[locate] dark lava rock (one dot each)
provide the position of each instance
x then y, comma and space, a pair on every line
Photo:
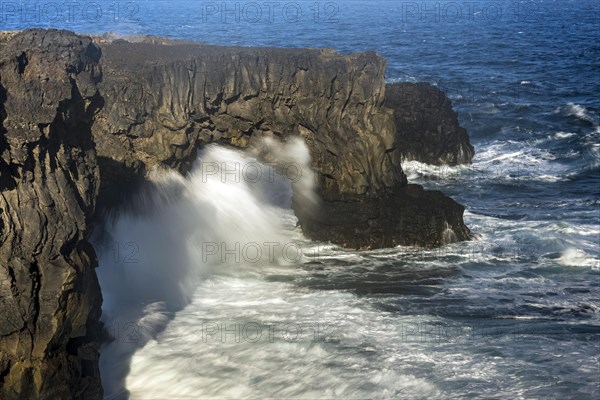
49, 295
427, 128
407, 216
76, 113
162, 101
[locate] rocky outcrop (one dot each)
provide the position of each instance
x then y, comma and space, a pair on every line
49, 295
161, 101
427, 128
81, 122
420, 218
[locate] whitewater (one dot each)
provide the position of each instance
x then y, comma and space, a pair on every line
194, 315
514, 313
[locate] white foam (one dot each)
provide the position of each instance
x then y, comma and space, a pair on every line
402, 79
416, 170
563, 135
215, 221
287, 362
578, 111
510, 160
572, 257
497, 161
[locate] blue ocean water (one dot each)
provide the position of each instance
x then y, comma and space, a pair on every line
514, 313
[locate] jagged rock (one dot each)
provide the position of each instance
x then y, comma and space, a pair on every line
50, 298
139, 105
420, 218
164, 100
427, 127
161, 101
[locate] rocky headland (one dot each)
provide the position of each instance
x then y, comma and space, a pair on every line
427, 128
83, 120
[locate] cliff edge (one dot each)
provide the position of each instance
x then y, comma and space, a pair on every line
163, 101
49, 294
83, 121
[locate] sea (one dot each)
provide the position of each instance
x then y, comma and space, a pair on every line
212, 292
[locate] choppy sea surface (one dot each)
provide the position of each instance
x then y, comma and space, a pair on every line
514, 313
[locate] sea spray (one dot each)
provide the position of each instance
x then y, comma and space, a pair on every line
225, 217
292, 161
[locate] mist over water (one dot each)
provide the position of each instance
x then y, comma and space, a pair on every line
228, 217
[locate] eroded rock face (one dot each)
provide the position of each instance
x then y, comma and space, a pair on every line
427, 127
161, 101
49, 295
420, 218
72, 112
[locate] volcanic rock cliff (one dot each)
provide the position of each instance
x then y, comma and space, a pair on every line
83, 121
162, 101
49, 294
